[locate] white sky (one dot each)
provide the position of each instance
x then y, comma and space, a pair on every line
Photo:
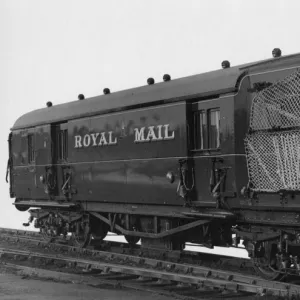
52, 50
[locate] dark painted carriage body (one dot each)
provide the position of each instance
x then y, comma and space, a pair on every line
125, 172
126, 176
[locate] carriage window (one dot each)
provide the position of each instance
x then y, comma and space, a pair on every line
200, 138
207, 129
213, 128
30, 142
62, 144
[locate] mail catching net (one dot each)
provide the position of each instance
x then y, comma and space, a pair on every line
273, 144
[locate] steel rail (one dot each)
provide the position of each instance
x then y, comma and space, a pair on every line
28, 233
185, 268
97, 280
181, 273
104, 253
19, 232
118, 250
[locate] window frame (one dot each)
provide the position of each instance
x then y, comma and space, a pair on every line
198, 124
206, 140
62, 145
31, 148
209, 126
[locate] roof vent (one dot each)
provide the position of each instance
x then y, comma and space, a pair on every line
150, 81
80, 97
276, 52
106, 91
225, 64
49, 104
166, 77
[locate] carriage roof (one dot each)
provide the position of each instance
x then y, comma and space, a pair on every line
191, 87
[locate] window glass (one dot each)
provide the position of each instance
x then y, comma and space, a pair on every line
214, 128
30, 148
207, 129
65, 144
62, 144
200, 125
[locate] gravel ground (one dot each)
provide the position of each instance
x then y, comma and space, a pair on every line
14, 287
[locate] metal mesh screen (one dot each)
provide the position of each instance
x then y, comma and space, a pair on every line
277, 106
274, 160
273, 154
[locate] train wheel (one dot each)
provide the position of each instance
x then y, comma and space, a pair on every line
99, 231
82, 236
267, 266
132, 240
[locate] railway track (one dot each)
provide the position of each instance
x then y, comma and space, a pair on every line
115, 248
17, 234
162, 272
137, 270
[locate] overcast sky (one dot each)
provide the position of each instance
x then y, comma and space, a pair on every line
54, 50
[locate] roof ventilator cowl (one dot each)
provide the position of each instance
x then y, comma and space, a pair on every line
106, 91
81, 97
49, 104
166, 77
225, 64
150, 81
276, 52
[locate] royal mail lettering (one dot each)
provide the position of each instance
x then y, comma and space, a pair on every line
153, 133
141, 135
95, 139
